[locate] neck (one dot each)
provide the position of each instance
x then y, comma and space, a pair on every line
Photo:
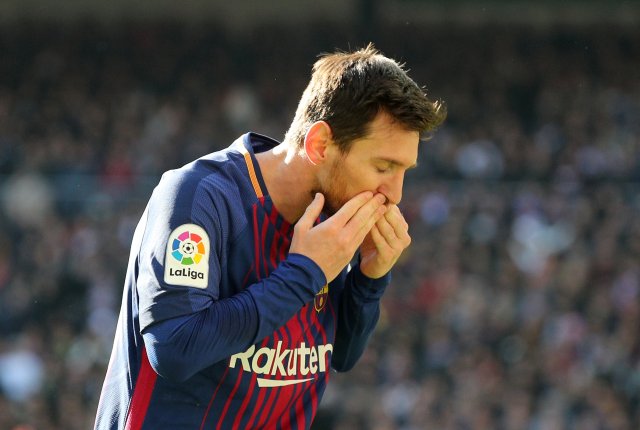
287, 175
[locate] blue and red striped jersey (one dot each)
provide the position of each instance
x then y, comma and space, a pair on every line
220, 326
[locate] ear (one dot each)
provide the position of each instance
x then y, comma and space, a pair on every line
316, 142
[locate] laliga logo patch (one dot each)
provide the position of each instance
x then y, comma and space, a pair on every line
186, 261
188, 248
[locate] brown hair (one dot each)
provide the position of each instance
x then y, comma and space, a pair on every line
347, 90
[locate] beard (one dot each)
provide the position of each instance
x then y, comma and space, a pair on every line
334, 189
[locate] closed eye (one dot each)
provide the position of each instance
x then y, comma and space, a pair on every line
385, 165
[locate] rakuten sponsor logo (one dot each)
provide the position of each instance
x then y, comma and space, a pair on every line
302, 361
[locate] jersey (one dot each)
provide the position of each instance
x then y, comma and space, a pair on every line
220, 326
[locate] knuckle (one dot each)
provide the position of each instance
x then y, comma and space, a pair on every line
343, 243
333, 230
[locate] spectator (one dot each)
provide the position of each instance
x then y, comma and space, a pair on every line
518, 303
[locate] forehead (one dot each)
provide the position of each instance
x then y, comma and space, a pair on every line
387, 139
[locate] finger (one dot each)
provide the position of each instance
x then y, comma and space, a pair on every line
386, 229
379, 241
362, 218
395, 219
365, 219
312, 212
349, 209
386, 252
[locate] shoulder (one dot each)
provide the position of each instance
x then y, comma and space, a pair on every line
213, 191
214, 177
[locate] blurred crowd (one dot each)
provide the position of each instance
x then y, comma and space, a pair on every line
517, 306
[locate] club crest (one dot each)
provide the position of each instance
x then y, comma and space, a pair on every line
321, 298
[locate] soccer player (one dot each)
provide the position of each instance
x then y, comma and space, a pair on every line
256, 269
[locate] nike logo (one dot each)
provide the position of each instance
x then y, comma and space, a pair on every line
267, 383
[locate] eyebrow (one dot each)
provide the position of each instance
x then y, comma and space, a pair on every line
397, 163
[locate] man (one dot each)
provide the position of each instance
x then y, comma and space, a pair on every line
240, 293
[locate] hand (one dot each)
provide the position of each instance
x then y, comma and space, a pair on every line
384, 244
332, 243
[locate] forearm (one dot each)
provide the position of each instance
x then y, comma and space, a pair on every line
358, 314
180, 347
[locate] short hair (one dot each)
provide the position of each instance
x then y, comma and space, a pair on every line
348, 89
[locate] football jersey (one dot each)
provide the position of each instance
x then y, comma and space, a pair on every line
220, 326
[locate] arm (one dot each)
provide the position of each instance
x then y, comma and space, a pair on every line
187, 324
182, 346
358, 314
188, 329
359, 307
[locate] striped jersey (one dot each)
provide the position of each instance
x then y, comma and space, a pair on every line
220, 326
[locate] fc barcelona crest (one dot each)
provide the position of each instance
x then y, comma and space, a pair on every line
321, 298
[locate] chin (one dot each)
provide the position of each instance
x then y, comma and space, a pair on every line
329, 209
330, 205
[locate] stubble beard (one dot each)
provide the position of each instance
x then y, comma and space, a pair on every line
334, 190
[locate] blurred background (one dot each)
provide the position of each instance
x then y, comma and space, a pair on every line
518, 304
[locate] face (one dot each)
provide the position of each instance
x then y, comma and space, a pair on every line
377, 162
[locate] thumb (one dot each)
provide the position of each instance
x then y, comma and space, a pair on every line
312, 212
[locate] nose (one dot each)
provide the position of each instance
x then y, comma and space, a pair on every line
393, 189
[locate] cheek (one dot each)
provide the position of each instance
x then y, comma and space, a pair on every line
349, 179
349, 183
363, 181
